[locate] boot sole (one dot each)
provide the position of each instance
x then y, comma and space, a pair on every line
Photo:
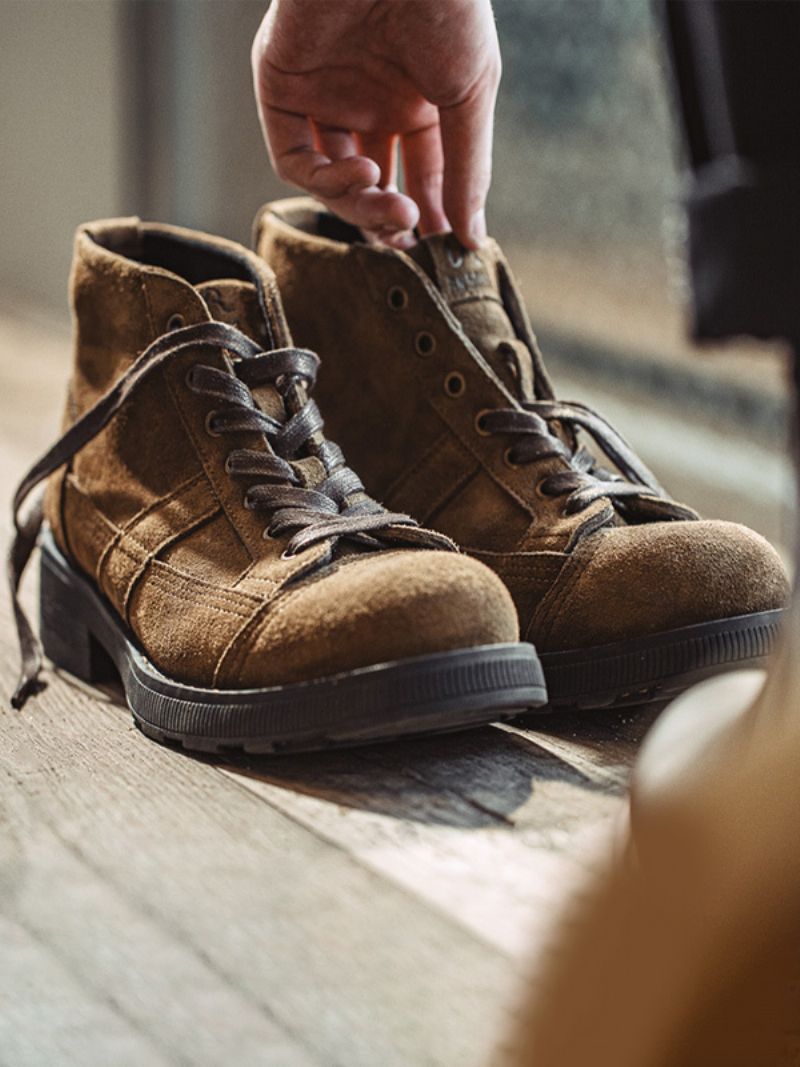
660, 666
82, 634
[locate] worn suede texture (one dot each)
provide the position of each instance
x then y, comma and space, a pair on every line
148, 511
418, 345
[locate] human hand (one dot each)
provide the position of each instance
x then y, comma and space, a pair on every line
339, 83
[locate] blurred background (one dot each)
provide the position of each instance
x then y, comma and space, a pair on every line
112, 107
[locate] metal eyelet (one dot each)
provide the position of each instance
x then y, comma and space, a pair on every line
227, 464
286, 554
175, 322
480, 427
454, 384
209, 428
508, 459
397, 298
456, 258
247, 503
189, 378
265, 534
424, 343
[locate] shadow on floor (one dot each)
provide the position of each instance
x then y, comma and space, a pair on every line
469, 779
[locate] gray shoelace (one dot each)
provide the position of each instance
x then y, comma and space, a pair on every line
531, 429
310, 516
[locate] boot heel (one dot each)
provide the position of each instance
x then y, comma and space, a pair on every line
66, 639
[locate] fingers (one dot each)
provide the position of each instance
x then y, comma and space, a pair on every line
423, 166
347, 185
296, 159
325, 161
467, 147
381, 148
334, 142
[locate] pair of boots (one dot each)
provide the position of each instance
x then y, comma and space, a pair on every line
206, 539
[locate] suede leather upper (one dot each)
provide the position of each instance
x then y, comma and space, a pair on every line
148, 510
423, 344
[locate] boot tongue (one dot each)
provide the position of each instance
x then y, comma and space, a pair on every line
469, 283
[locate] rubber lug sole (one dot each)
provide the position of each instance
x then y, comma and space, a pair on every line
82, 634
660, 666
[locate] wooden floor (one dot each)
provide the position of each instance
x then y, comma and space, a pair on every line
372, 908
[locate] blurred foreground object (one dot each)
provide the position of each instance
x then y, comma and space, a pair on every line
687, 951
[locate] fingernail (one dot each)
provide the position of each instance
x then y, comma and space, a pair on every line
477, 227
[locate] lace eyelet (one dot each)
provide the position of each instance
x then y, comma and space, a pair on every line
175, 322
397, 298
227, 464
508, 459
286, 554
189, 378
265, 534
540, 492
424, 343
456, 257
480, 427
209, 428
247, 503
454, 384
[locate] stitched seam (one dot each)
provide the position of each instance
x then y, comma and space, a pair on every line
520, 576
187, 594
95, 517
553, 607
150, 554
449, 494
409, 473
230, 595
158, 504
201, 588
518, 558
525, 505
475, 298
231, 648
271, 611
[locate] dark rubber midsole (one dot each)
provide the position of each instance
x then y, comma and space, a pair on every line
660, 663
466, 686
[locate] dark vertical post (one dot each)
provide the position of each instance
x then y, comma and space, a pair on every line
737, 75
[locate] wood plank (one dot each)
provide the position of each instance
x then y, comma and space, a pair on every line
348, 964
486, 826
48, 1017
168, 1003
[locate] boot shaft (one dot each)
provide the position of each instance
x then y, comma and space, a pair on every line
125, 293
422, 345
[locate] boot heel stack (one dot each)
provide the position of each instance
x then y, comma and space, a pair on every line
66, 639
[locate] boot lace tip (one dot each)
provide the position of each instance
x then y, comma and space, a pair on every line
27, 687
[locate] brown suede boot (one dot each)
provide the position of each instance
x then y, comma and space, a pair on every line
206, 537
627, 596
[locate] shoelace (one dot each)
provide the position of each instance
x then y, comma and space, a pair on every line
310, 515
585, 481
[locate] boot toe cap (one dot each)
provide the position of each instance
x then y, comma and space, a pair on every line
376, 609
632, 581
